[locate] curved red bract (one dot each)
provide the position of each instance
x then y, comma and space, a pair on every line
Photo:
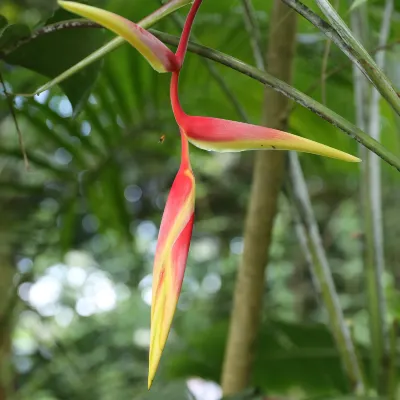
160, 57
171, 255
223, 135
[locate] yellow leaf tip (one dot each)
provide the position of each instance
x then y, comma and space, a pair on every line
67, 5
353, 159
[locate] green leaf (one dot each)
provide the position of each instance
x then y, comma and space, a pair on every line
11, 34
69, 220
288, 355
107, 188
356, 4
52, 53
3, 23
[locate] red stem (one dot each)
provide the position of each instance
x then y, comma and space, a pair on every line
180, 116
180, 57
176, 105
185, 160
183, 43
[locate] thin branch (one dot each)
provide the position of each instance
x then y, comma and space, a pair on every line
347, 64
254, 32
375, 195
340, 34
324, 66
393, 371
14, 117
369, 67
359, 21
58, 26
325, 59
323, 275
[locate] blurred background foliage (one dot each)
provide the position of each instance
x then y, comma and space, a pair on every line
78, 230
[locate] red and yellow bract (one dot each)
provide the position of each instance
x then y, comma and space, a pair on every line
223, 135
171, 255
204, 132
160, 57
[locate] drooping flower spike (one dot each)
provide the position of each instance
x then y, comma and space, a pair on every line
160, 57
217, 135
171, 255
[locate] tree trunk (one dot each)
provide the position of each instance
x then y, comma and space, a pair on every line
268, 175
6, 285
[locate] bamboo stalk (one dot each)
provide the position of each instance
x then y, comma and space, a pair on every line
368, 114
341, 35
324, 278
268, 175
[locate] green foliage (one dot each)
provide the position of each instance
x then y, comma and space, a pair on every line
53, 53
289, 356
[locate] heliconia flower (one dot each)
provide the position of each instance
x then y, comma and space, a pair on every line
222, 135
207, 133
171, 255
176, 227
161, 58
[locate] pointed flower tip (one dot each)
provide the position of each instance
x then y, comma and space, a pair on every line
170, 258
149, 381
160, 57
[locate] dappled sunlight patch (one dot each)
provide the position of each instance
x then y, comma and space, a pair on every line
204, 390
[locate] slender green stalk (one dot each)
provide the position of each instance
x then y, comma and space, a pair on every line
393, 370
324, 27
371, 198
341, 35
361, 101
14, 117
371, 69
378, 308
323, 276
254, 32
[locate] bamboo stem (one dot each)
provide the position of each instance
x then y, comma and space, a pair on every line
341, 35
268, 175
324, 278
368, 114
